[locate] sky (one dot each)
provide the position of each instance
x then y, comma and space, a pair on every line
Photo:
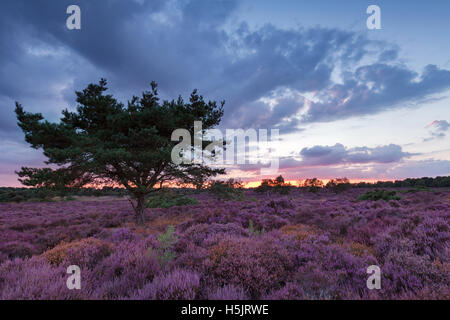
347, 101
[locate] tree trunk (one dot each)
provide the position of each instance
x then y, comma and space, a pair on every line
139, 209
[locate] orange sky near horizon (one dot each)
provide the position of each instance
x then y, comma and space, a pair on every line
254, 184
247, 184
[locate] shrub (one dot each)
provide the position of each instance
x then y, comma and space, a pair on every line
125, 270
279, 205
329, 271
291, 291
407, 273
17, 249
338, 185
177, 285
123, 234
85, 252
252, 230
168, 199
199, 233
25, 194
418, 189
33, 279
314, 247
379, 195
313, 185
164, 251
227, 190
256, 264
361, 250
298, 231
274, 185
228, 292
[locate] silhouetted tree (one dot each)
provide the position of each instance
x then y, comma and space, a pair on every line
313, 184
277, 185
230, 189
338, 184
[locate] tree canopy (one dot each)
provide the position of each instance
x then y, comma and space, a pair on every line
277, 185
104, 141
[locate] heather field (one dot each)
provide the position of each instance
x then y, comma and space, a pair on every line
268, 246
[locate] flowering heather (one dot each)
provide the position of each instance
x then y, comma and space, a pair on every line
298, 246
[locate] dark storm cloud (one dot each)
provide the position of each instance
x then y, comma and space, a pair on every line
185, 44
261, 114
375, 88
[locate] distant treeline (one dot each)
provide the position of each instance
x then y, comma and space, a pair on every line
9, 194
438, 182
342, 184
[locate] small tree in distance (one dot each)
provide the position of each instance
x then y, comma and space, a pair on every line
338, 185
104, 141
277, 185
313, 184
230, 189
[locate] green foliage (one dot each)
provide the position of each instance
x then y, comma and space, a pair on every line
167, 199
164, 252
253, 230
198, 176
437, 182
227, 190
274, 185
25, 194
57, 182
8, 194
129, 145
11, 195
418, 189
379, 195
338, 185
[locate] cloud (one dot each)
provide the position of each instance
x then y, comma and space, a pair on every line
339, 154
374, 171
440, 125
200, 44
375, 88
438, 129
338, 158
291, 169
270, 77
418, 169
